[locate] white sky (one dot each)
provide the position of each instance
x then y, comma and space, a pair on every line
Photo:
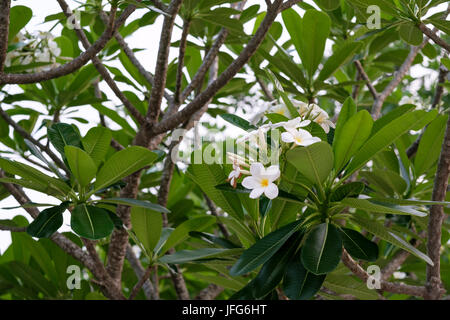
147, 38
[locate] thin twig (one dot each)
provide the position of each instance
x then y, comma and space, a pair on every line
28, 136
364, 75
4, 30
433, 36
434, 284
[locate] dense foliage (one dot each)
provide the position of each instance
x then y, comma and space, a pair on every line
325, 175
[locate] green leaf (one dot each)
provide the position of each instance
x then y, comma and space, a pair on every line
207, 177
358, 246
386, 208
385, 181
35, 176
340, 57
299, 283
135, 203
315, 28
81, 165
96, 143
238, 121
322, 249
273, 270
147, 225
347, 111
388, 235
19, 16
387, 135
91, 222
121, 164
409, 32
443, 25
329, 5
351, 189
47, 222
181, 233
63, 134
184, 256
263, 249
354, 133
430, 145
314, 162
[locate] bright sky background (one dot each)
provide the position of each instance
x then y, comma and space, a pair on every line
147, 38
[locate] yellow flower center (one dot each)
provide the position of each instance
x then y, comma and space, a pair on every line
298, 139
280, 111
264, 183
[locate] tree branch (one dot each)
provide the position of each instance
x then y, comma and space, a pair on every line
13, 228
183, 42
154, 104
288, 4
5, 6
434, 284
364, 75
433, 36
173, 120
399, 75
28, 136
209, 293
130, 54
149, 289
77, 63
357, 270
101, 68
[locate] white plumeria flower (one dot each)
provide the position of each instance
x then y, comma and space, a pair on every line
255, 134
292, 124
234, 175
300, 137
303, 108
237, 159
53, 47
280, 109
322, 118
261, 181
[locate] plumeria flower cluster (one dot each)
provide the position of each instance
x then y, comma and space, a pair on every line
263, 180
30, 48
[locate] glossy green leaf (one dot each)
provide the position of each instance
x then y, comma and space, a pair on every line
47, 222
410, 33
299, 283
314, 162
351, 189
63, 134
340, 57
96, 143
181, 233
81, 165
121, 164
322, 249
430, 145
263, 249
135, 203
387, 135
147, 225
19, 17
388, 235
91, 222
185, 256
354, 133
237, 121
387, 208
358, 246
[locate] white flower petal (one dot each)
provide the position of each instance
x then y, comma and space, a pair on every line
304, 123
273, 173
271, 191
251, 183
257, 169
287, 137
256, 193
